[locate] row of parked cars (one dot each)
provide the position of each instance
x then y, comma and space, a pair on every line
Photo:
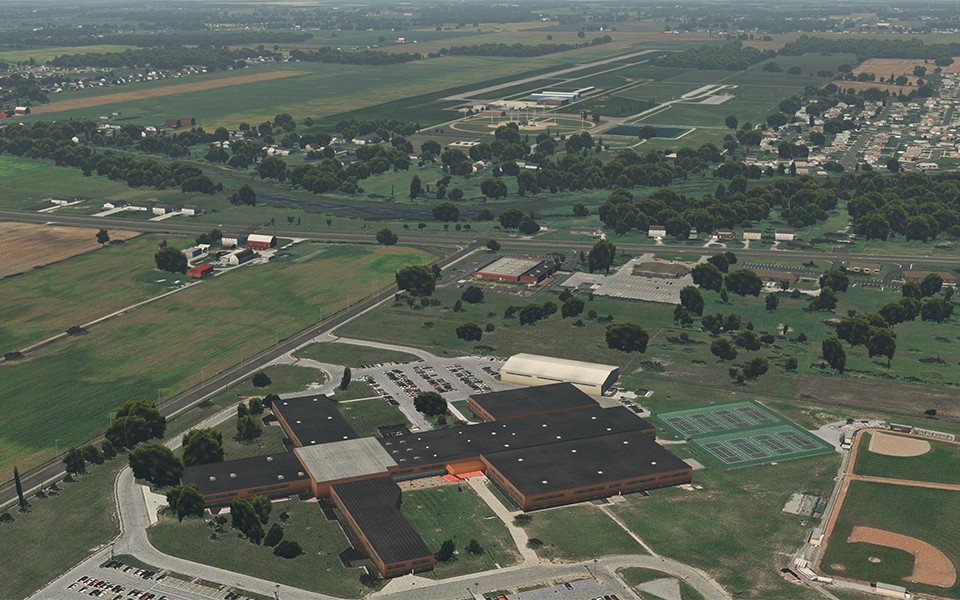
382, 392
469, 379
430, 375
101, 588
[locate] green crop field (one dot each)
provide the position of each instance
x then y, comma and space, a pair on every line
42, 55
47, 301
594, 535
350, 355
940, 465
66, 393
456, 512
927, 514
318, 569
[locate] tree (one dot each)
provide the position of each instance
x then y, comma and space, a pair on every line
580, 209
244, 517
755, 367
244, 195
430, 403
731, 122
708, 277
186, 501
723, 349
445, 552
883, 342
911, 289
837, 280
692, 299
600, 257
474, 547
748, 340
893, 165
493, 188
386, 237
416, 188
572, 307
791, 364
74, 462
171, 260
931, 284
20, 499
455, 194
248, 429
256, 406
772, 301
103, 236
493, 245
261, 379
417, 280
274, 535
825, 300
528, 227
469, 332
446, 211
202, 446
720, 261
833, 352
936, 309
627, 337
472, 294
530, 314
262, 506
135, 422
744, 282
511, 218
156, 463
345, 380
92, 454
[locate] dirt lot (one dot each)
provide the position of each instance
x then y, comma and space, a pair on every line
24, 246
931, 566
156, 92
884, 67
883, 397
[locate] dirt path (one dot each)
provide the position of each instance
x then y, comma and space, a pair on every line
156, 92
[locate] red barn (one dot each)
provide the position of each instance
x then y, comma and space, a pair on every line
256, 241
200, 271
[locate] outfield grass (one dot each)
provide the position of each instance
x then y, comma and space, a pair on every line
927, 514
366, 415
166, 346
318, 569
733, 528
579, 532
46, 301
59, 531
940, 465
350, 355
457, 513
635, 576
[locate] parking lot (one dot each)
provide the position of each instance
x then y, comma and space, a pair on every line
624, 284
117, 581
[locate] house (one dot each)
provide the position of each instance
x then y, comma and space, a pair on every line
21, 111
257, 241
752, 234
229, 241
784, 235
725, 234
191, 211
657, 231
200, 271
240, 256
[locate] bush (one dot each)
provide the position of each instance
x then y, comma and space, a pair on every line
287, 549
534, 543
274, 535
261, 379
522, 519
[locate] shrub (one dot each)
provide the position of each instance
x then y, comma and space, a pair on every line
261, 379
287, 549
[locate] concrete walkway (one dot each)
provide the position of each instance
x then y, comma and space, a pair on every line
606, 510
481, 486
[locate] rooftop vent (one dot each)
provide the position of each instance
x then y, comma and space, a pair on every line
544, 482
212, 478
599, 472
233, 475
269, 459
280, 477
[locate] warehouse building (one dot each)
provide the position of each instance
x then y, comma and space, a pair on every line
510, 269
532, 369
660, 270
529, 402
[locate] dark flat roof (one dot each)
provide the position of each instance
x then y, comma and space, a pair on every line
259, 471
511, 404
470, 441
314, 419
374, 505
576, 463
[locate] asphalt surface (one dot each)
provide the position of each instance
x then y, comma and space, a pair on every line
54, 469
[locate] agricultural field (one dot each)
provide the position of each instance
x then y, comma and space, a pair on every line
939, 464
319, 568
42, 55
26, 246
929, 515
230, 317
456, 512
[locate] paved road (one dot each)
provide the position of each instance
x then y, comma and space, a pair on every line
54, 469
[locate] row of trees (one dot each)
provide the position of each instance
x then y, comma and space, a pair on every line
728, 57
519, 50
165, 58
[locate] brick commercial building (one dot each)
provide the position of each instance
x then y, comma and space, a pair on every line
509, 269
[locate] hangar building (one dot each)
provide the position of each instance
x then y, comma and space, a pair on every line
533, 369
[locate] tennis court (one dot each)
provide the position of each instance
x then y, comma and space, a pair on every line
742, 434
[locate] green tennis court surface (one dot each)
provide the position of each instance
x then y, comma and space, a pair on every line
742, 434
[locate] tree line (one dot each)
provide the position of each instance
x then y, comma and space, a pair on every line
727, 57
165, 58
518, 50
867, 48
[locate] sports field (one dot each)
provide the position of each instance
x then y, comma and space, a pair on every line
66, 393
742, 434
940, 464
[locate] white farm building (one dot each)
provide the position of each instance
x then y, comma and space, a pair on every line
532, 369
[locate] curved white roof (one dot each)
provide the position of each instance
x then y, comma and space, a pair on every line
560, 369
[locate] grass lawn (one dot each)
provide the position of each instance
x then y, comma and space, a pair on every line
284, 379
457, 513
349, 355
59, 531
44, 302
269, 442
579, 532
926, 514
318, 569
354, 391
635, 576
940, 465
366, 415
164, 347
733, 528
